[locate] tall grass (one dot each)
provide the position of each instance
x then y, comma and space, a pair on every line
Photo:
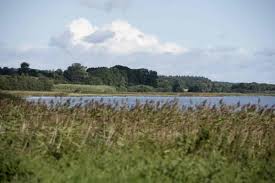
77, 88
8, 96
147, 143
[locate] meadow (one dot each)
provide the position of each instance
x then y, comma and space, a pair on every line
147, 143
77, 88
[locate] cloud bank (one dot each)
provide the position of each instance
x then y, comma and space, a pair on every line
118, 37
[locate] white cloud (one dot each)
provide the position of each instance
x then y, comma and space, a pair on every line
99, 36
81, 28
118, 37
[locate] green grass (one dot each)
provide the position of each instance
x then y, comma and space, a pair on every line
116, 93
74, 88
35, 93
4, 95
149, 143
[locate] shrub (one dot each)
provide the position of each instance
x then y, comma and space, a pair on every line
25, 83
141, 88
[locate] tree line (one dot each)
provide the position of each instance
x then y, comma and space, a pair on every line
121, 77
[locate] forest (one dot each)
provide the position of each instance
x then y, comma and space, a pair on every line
124, 79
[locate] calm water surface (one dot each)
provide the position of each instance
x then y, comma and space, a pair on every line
132, 100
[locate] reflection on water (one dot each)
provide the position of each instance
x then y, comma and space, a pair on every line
133, 100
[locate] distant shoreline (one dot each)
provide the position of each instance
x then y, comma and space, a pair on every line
164, 94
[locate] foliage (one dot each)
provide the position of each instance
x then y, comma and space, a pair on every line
176, 87
180, 83
111, 77
246, 87
146, 143
25, 68
141, 88
25, 83
201, 84
123, 77
76, 73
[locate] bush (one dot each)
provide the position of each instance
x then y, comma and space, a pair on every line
25, 83
141, 88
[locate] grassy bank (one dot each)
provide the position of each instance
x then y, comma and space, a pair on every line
148, 143
68, 93
84, 89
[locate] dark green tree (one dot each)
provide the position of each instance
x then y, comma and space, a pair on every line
76, 73
24, 68
176, 86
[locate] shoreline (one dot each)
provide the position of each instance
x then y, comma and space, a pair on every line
125, 94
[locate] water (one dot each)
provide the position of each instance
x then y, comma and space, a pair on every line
132, 100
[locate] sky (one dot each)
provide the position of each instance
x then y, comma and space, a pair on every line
224, 40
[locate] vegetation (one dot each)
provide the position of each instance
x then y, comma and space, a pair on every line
146, 143
9, 96
74, 88
141, 88
122, 78
166, 94
22, 82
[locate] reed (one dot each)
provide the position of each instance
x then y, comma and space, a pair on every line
146, 143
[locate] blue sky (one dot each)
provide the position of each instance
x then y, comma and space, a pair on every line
225, 40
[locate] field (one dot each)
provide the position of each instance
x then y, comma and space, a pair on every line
74, 88
148, 143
